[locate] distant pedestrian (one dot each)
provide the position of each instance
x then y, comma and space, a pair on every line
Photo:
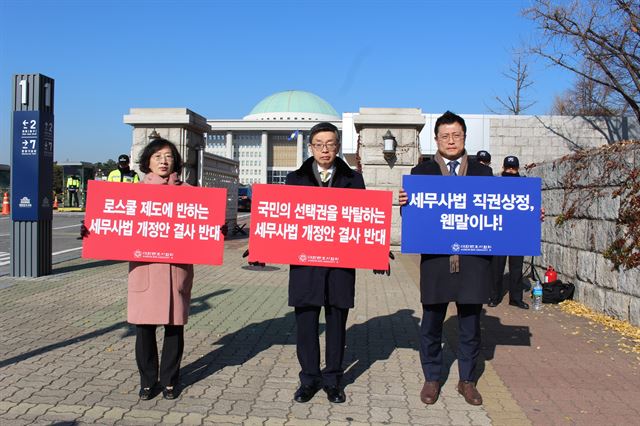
159, 293
510, 168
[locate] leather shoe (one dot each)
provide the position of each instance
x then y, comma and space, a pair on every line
169, 392
520, 304
335, 394
146, 393
430, 392
305, 393
470, 393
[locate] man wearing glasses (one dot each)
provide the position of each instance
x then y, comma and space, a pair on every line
465, 279
312, 287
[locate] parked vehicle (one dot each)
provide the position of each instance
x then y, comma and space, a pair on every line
244, 198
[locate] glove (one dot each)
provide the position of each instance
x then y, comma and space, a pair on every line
385, 271
260, 264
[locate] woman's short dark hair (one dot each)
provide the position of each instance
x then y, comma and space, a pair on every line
155, 146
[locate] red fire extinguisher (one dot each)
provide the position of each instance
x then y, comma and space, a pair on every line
551, 275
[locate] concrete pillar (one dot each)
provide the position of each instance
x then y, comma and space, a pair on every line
181, 126
263, 156
229, 144
385, 173
299, 150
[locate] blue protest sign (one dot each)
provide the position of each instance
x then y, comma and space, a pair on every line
32, 166
478, 215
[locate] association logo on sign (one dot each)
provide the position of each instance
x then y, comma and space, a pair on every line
25, 202
137, 254
455, 247
302, 257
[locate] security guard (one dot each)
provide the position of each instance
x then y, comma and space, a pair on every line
123, 173
73, 186
510, 168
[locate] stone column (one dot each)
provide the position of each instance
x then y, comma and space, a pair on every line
299, 150
263, 155
385, 173
229, 144
181, 126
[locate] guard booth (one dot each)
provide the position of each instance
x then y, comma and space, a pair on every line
85, 172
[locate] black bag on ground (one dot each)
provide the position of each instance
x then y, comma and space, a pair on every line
557, 291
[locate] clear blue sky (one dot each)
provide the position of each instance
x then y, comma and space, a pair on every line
220, 58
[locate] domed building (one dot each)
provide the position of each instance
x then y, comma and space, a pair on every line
269, 142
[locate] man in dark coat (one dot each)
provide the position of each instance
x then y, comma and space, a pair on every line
312, 287
463, 279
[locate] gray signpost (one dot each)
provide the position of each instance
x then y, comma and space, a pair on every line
31, 175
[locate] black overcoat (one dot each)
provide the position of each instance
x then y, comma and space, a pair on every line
315, 285
473, 283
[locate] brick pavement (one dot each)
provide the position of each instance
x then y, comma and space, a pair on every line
67, 356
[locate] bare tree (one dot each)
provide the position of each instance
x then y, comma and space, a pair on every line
519, 73
603, 34
588, 98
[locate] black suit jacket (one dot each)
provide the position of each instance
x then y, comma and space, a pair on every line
473, 283
315, 285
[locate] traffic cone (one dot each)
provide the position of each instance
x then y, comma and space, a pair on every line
6, 209
55, 201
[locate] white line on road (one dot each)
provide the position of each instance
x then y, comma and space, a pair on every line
53, 254
61, 227
66, 251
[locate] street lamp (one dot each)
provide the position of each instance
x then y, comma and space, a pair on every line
389, 145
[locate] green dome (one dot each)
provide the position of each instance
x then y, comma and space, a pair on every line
292, 102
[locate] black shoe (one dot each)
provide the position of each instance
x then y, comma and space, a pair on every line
169, 392
335, 394
493, 303
520, 304
146, 393
305, 393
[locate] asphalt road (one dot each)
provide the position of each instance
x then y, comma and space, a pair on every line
66, 242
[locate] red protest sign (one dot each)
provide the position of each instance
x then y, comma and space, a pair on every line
154, 223
335, 227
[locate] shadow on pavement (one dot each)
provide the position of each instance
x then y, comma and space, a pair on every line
81, 266
377, 338
373, 340
200, 303
494, 333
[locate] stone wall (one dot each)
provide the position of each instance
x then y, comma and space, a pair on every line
580, 225
534, 139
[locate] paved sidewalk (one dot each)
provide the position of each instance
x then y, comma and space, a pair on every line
67, 356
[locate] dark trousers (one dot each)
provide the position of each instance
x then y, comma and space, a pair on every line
431, 340
147, 355
515, 277
73, 199
308, 345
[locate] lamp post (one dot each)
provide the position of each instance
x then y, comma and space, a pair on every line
389, 145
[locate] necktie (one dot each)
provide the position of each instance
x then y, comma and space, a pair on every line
324, 176
452, 167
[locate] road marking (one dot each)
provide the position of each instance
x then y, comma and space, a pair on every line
53, 229
4, 256
66, 251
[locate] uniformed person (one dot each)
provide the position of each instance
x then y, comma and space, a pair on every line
73, 186
123, 173
510, 168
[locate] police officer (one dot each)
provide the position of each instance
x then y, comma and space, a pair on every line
510, 168
73, 186
123, 173
483, 157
